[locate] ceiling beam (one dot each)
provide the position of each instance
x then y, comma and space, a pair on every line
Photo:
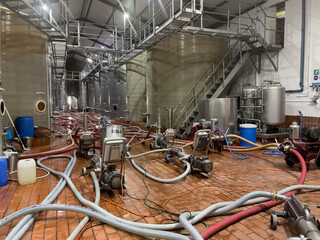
117, 6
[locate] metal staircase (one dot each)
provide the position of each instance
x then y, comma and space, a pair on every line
50, 19
210, 84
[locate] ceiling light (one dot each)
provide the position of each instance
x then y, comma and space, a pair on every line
157, 27
45, 7
126, 15
102, 46
89, 60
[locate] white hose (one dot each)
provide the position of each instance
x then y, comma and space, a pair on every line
21, 228
161, 180
146, 153
85, 220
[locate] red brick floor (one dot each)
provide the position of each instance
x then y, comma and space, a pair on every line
230, 179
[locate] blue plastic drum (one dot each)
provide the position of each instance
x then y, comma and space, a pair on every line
249, 132
25, 126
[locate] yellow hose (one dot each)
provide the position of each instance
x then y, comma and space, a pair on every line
187, 145
257, 146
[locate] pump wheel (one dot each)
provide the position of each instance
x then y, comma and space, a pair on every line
273, 222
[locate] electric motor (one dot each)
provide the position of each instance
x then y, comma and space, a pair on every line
203, 164
112, 177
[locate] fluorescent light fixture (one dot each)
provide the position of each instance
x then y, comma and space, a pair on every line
281, 14
89, 60
45, 7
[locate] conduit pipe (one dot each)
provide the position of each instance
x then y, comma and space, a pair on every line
246, 213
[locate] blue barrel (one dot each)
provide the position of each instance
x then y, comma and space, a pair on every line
3, 172
25, 126
9, 134
249, 132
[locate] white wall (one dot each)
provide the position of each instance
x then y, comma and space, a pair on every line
288, 73
289, 57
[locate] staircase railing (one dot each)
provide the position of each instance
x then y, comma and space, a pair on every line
205, 82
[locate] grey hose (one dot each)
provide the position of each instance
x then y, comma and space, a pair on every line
85, 220
95, 214
161, 180
189, 227
146, 153
21, 228
133, 227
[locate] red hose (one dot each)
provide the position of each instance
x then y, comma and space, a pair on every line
50, 153
254, 210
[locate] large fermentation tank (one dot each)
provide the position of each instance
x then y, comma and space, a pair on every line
273, 95
222, 109
173, 66
251, 102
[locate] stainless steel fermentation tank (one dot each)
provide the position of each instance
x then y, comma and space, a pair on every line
273, 96
222, 109
265, 104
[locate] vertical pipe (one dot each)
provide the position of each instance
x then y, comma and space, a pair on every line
85, 122
63, 95
83, 94
302, 50
159, 121
78, 29
2, 111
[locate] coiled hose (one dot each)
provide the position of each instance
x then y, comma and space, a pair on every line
161, 180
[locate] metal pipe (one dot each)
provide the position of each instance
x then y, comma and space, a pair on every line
85, 122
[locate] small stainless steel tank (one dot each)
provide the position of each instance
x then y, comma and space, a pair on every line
222, 109
273, 95
251, 102
294, 130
